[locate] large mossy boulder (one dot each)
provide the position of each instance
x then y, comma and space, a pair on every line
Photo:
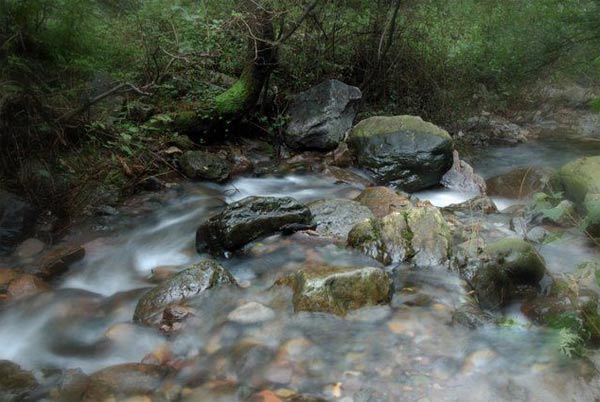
336, 217
201, 165
419, 235
338, 290
580, 181
403, 151
17, 219
511, 264
186, 284
249, 219
321, 116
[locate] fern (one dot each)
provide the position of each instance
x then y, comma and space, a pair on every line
570, 344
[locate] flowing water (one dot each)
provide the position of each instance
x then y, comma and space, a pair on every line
406, 351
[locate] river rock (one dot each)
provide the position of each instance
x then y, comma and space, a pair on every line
580, 180
17, 219
519, 183
481, 204
337, 290
29, 249
188, 283
336, 217
487, 129
321, 116
418, 234
57, 260
249, 219
15, 383
125, 381
461, 177
403, 151
544, 208
382, 200
511, 263
203, 165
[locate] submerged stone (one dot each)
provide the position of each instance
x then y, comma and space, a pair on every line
249, 219
125, 381
403, 151
188, 283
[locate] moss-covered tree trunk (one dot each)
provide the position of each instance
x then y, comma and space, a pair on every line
244, 94
216, 117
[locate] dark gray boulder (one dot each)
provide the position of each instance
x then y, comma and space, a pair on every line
403, 151
247, 220
203, 165
336, 217
17, 219
188, 283
321, 116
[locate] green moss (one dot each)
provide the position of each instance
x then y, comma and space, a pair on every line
235, 99
388, 124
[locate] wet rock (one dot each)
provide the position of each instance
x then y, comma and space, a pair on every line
382, 200
125, 381
342, 157
251, 313
58, 260
417, 234
581, 183
7, 275
203, 165
16, 384
173, 318
545, 208
25, 285
70, 386
403, 151
489, 130
337, 290
430, 241
461, 177
512, 263
336, 217
17, 219
247, 220
321, 116
470, 316
567, 307
519, 183
480, 204
347, 176
188, 283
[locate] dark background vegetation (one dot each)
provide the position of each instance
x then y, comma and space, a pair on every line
88, 87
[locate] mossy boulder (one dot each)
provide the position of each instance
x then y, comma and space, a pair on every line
382, 200
249, 219
188, 283
580, 181
511, 264
403, 151
337, 290
201, 165
336, 217
15, 383
417, 234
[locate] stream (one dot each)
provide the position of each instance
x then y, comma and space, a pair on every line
382, 353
